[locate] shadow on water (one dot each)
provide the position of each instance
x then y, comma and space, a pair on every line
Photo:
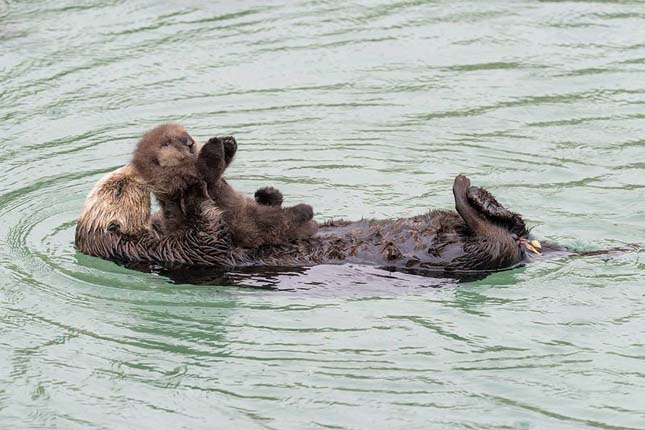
328, 276
307, 278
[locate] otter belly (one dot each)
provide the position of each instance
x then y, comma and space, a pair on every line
422, 242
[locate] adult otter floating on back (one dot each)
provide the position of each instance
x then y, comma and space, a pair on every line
115, 224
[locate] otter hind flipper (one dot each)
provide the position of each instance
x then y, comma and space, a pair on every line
488, 206
487, 203
464, 207
493, 245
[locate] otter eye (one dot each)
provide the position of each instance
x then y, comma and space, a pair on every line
189, 142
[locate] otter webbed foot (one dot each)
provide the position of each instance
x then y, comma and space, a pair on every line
486, 204
302, 224
470, 216
268, 196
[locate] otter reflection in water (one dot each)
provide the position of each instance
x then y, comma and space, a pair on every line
481, 235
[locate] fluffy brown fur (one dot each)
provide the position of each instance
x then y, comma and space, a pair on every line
169, 149
438, 240
167, 159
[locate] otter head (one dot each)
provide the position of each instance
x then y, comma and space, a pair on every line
165, 157
117, 207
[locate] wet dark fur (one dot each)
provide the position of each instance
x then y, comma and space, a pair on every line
464, 240
167, 160
196, 230
491, 209
437, 240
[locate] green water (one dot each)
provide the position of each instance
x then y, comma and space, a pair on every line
361, 109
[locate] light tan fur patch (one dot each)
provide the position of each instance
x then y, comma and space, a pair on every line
169, 157
121, 199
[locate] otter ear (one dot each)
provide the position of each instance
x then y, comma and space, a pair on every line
169, 156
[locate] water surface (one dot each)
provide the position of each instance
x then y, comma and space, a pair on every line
364, 109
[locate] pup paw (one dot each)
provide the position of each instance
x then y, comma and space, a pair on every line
210, 162
230, 148
268, 196
213, 149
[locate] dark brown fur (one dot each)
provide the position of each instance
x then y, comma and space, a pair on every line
167, 159
438, 240
116, 224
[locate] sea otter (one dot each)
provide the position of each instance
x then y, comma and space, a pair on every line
481, 235
167, 159
115, 224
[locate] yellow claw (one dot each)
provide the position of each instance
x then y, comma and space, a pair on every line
534, 246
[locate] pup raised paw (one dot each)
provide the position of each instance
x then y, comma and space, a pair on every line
268, 196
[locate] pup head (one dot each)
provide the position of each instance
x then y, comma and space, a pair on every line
165, 157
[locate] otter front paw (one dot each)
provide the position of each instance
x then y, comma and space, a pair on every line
230, 148
301, 213
268, 196
213, 149
210, 162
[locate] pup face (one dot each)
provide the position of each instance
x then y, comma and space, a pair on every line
165, 157
169, 145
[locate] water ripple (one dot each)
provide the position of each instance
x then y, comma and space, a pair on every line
367, 111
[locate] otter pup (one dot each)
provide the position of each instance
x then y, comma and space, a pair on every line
166, 158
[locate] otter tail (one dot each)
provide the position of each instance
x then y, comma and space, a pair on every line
628, 247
